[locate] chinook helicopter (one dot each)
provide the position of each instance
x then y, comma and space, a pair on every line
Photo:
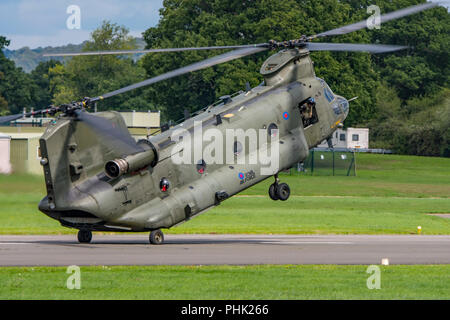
98, 178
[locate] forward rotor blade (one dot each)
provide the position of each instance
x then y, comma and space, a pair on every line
356, 47
228, 56
384, 18
121, 52
112, 136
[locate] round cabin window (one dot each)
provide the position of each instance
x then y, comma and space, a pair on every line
164, 185
272, 130
201, 166
237, 148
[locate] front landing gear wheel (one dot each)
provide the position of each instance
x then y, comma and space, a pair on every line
84, 236
283, 191
156, 237
273, 192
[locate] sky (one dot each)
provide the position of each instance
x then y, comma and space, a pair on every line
35, 23
41, 23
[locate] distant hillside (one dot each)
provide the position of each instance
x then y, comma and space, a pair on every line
28, 59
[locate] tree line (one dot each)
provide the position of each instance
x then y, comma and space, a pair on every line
403, 97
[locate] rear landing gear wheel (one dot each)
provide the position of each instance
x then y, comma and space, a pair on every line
283, 191
273, 192
156, 237
84, 236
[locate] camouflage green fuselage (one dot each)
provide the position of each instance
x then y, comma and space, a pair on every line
82, 196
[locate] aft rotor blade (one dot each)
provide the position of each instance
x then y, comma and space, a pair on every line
122, 52
356, 47
228, 56
112, 136
384, 18
13, 117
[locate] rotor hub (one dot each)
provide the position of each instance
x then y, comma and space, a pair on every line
290, 44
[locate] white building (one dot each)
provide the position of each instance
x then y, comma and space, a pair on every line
137, 119
351, 138
133, 119
24, 152
5, 165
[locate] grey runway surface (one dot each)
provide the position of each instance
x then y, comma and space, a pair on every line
223, 249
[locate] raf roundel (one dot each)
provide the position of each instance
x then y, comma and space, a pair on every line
286, 115
241, 175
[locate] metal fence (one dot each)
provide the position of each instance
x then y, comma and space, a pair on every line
327, 162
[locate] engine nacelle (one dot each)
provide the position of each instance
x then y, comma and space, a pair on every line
118, 167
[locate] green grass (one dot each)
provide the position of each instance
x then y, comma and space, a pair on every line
227, 282
377, 176
390, 195
320, 215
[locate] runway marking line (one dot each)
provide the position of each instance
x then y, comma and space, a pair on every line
306, 242
8, 243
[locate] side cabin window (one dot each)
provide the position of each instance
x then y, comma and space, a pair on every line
308, 112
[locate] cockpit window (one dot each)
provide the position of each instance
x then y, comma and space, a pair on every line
328, 94
326, 90
337, 110
343, 103
340, 106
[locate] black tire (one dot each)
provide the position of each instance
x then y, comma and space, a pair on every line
84, 236
273, 192
156, 237
283, 191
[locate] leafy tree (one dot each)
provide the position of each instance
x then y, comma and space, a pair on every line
3, 102
61, 85
16, 87
40, 76
384, 83
207, 23
95, 75
419, 127
403, 96
3, 106
3, 43
425, 67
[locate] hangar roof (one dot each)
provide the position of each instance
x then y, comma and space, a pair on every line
25, 135
4, 136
